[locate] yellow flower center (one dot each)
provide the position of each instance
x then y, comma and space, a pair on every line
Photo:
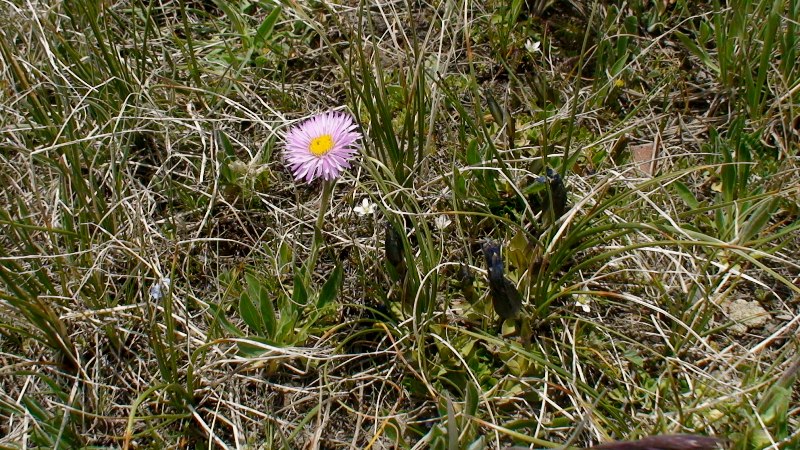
321, 145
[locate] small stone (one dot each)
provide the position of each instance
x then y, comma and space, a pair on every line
747, 315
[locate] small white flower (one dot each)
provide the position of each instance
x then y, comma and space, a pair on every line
583, 301
532, 47
365, 208
442, 221
158, 290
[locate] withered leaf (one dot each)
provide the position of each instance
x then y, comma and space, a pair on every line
644, 155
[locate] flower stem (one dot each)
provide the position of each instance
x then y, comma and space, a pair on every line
311, 262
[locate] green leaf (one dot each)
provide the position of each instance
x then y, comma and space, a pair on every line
619, 65
494, 108
459, 184
299, 292
219, 317
728, 169
392, 431
686, 195
267, 312
756, 221
286, 333
331, 287
234, 16
284, 255
773, 407
250, 314
473, 155
766, 58
253, 350
452, 428
697, 51
519, 251
775, 404
265, 29
226, 156
471, 398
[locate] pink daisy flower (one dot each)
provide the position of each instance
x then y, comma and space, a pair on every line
321, 146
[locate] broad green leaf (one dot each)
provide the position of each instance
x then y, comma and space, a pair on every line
250, 314
225, 144
686, 195
471, 398
267, 312
520, 251
299, 292
331, 287
473, 155
619, 65
452, 428
284, 255
459, 184
632, 25
494, 108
